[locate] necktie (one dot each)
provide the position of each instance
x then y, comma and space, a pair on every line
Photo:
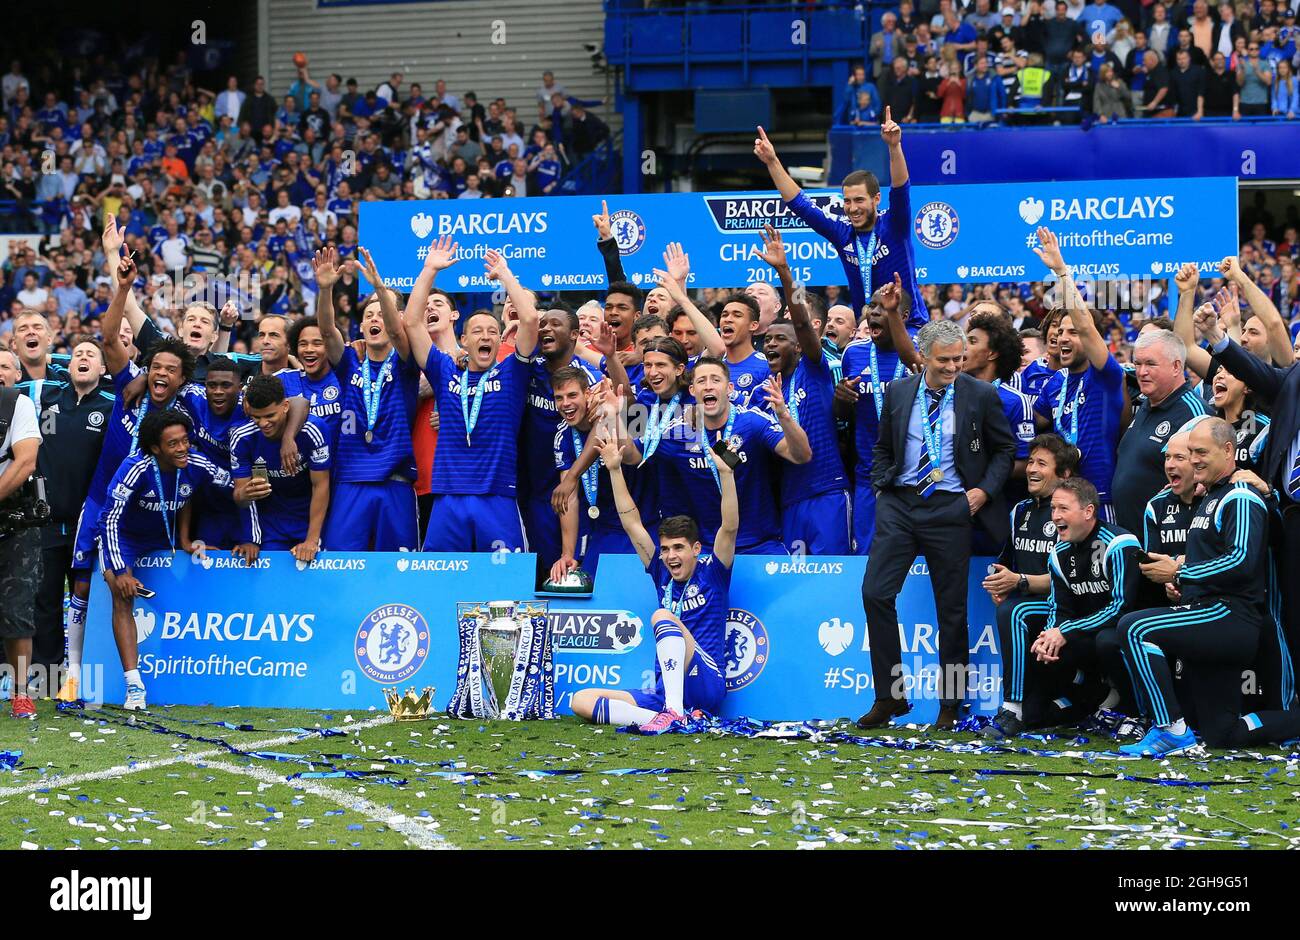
924, 467
1293, 481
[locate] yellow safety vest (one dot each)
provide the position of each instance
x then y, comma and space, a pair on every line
1032, 81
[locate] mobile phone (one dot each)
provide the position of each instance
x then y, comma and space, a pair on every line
729, 456
1144, 558
144, 592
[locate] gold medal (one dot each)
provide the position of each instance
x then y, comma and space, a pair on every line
593, 512
936, 475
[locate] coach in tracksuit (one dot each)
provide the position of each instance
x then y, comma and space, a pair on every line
1216, 630
941, 459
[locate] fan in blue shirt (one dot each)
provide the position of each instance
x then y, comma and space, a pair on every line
814, 495
481, 408
373, 505
873, 246
691, 620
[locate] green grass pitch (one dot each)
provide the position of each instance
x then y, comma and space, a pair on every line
91, 780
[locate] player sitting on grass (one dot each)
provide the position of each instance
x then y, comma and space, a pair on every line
690, 624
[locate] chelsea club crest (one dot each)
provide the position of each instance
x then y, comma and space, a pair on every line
936, 225
747, 648
392, 643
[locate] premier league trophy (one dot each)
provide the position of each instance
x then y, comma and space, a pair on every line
505, 668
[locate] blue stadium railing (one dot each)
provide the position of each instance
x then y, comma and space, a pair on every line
595, 173
1256, 149
716, 46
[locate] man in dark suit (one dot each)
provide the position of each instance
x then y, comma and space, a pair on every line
942, 457
1279, 465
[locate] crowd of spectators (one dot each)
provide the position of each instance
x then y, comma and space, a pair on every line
244, 182
1087, 61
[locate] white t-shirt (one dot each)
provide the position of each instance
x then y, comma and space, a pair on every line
34, 298
290, 214
22, 428
173, 251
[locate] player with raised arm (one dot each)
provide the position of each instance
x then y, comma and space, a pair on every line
867, 367
814, 495
873, 246
147, 511
481, 405
1085, 401
373, 504
690, 624
167, 367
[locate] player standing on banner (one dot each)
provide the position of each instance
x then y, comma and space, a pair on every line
373, 504
481, 404
873, 246
814, 495
690, 624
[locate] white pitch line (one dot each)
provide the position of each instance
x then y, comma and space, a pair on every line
420, 836
122, 770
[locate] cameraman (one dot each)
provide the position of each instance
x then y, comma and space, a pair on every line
20, 549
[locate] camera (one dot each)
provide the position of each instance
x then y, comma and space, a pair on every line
26, 508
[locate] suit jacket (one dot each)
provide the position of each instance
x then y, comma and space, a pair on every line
983, 450
1280, 390
877, 51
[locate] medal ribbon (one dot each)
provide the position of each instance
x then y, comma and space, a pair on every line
654, 431
1072, 435
877, 386
932, 434
370, 389
864, 265
169, 521
590, 476
469, 413
726, 436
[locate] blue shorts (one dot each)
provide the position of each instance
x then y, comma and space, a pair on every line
459, 523
704, 688
216, 528
864, 516
820, 524
130, 552
85, 545
542, 526
366, 517
769, 547
604, 541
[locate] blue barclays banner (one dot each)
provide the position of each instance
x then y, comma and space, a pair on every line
974, 233
334, 634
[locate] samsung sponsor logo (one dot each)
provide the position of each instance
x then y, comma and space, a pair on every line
1111, 208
